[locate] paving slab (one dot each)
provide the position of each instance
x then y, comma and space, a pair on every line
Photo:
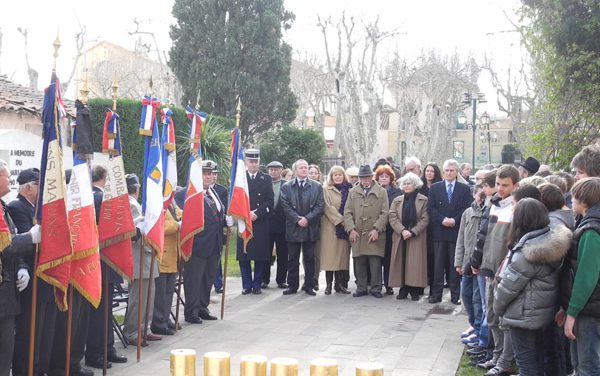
408, 338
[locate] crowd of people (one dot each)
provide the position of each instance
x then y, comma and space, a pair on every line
515, 245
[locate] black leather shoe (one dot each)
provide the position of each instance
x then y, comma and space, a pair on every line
256, 291
117, 358
161, 331
282, 286
359, 294
433, 300
343, 290
207, 316
377, 294
316, 288
219, 290
194, 320
310, 291
246, 291
389, 291
82, 371
264, 285
415, 297
455, 301
289, 291
96, 362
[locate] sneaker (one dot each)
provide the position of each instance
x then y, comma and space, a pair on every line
487, 365
467, 332
470, 338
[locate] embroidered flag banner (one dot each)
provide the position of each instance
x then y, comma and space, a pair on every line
239, 199
169, 157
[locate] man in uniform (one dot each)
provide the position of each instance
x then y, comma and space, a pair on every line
21, 212
277, 229
220, 192
201, 268
260, 190
94, 351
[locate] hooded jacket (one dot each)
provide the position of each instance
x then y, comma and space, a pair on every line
467, 237
527, 296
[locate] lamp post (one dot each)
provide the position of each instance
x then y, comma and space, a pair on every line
486, 135
472, 99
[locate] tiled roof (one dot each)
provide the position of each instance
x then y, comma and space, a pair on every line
18, 98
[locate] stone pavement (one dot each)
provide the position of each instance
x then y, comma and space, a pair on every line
408, 338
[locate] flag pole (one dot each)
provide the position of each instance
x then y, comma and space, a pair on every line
228, 234
141, 271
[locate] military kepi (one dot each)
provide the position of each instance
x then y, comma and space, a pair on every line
252, 154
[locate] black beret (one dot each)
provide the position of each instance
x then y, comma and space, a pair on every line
28, 175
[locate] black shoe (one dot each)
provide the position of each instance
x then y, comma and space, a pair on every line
455, 301
328, 289
434, 300
289, 291
316, 288
310, 291
389, 291
171, 325
256, 291
161, 331
402, 294
414, 297
478, 360
246, 291
359, 294
207, 316
377, 294
342, 290
82, 371
282, 285
219, 290
264, 285
96, 362
117, 358
194, 320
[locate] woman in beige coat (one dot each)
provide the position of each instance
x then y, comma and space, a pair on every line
335, 247
408, 218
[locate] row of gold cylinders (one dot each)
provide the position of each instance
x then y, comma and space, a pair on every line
218, 363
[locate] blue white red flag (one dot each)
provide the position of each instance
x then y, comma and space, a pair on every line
192, 221
85, 263
55, 249
153, 225
239, 199
169, 156
115, 227
148, 118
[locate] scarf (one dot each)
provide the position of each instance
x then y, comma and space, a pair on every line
344, 189
409, 210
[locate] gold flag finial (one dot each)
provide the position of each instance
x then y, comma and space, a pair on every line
84, 91
115, 87
56, 45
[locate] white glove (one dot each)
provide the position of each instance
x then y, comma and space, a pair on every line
36, 234
229, 220
22, 279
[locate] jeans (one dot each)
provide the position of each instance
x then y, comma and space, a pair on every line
528, 346
471, 298
587, 345
484, 331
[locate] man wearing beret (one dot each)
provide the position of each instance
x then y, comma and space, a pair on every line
277, 229
14, 274
529, 167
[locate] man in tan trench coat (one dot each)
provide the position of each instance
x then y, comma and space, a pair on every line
365, 220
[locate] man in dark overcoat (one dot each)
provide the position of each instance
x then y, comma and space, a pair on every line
260, 190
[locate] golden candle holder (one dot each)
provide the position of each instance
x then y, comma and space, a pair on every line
369, 369
284, 367
183, 362
323, 367
253, 365
217, 363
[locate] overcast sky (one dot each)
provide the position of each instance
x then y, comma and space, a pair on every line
470, 27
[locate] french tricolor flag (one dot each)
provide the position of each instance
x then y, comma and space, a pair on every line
239, 199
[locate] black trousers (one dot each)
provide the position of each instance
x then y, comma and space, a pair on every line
46, 312
7, 341
95, 337
443, 253
79, 331
198, 277
282, 258
308, 260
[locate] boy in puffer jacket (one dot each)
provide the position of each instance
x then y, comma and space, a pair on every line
526, 299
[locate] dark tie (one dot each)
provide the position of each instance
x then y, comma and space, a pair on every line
450, 192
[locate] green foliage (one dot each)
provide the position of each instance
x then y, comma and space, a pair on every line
215, 136
288, 144
225, 49
563, 38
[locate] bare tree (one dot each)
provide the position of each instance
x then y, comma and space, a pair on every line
32, 73
353, 66
427, 94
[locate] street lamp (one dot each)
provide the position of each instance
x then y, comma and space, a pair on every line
486, 135
473, 99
